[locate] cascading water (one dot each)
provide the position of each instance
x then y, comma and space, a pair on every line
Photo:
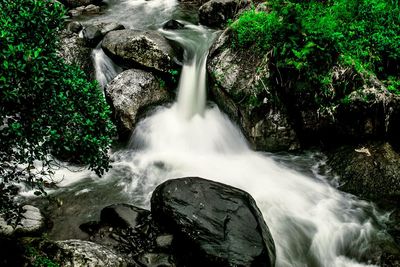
312, 223
105, 68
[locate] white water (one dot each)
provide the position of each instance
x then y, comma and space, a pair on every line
312, 223
105, 68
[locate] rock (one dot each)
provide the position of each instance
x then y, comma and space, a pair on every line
156, 260
213, 224
131, 93
73, 50
92, 35
106, 27
5, 229
74, 26
371, 171
164, 241
92, 9
123, 215
215, 13
149, 49
74, 13
77, 3
173, 25
32, 221
78, 253
241, 87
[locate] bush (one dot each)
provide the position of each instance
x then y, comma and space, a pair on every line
46, 106
308, 38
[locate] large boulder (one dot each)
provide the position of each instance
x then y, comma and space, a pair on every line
241, 87
371, 171
216, 13
74, 51
32, 223
140, 49
131, 93
213, 224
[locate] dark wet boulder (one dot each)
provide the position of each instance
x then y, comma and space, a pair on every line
131, 94
92, 35
173, 25
74, 51
216, 13
371, 171
123, 215
140, 49
241, 87
213, 224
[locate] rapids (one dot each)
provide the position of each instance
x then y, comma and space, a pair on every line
312, 223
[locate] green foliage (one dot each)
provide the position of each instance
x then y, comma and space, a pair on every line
39, 260
46, 106
308, 38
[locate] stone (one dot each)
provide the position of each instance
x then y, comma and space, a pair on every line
213, 224
74, 51
370, 171
156, 260
74, 26
164, 241
106, 27
140, 49
123, 215
92, 35
32, 221
79, 253
92, 9
74, 13
216, 13
173, 25
240, 85
131, 94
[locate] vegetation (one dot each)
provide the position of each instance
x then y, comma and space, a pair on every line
308, 38
46, 106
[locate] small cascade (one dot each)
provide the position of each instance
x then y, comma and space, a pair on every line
105, 68
196, 41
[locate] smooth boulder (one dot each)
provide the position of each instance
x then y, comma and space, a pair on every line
140, 49
213, 224
130, 94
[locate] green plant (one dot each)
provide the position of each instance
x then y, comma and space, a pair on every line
308, 38
39, 260
46, 106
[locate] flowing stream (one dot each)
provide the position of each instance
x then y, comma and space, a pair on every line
312, 223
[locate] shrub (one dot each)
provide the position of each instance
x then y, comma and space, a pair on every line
46, 106
308, 38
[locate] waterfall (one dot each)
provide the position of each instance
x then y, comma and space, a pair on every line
312, 223
105, 68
